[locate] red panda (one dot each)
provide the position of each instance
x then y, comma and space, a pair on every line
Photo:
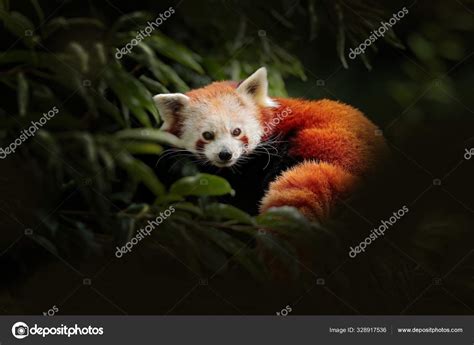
334, 144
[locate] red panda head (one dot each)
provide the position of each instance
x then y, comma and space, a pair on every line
220, 122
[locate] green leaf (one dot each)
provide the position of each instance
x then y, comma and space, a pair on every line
50, 149
137, 210
277, 214
313, 20
141, 172
34, 59
108, 108
168, 199
288, 221
277, 84
19, 25
341, 36
131, 93
39, 11
281, 250
107, 161
66, 23
22, 94
132, 19
149, 135
149, 59
173, 50
70, 79
173, 77
421, 46
42, 93
125, 230
228, 212
240, 252
211, 256
143, 148
90, 149
153, 85
81, 56
202, 185
189, 207
45, 243
164, 73
4, 5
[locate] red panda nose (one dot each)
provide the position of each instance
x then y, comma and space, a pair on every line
225, 156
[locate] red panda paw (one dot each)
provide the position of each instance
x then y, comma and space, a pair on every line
313, 188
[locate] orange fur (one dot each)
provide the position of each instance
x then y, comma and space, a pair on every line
213, 92
338, 146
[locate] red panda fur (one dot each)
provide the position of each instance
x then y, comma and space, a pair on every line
337, 146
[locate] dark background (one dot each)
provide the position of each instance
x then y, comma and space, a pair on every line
416, 86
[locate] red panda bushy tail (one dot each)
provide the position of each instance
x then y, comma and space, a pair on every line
311, 187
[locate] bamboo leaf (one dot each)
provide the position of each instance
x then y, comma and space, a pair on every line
108, 108
38, 9
36, 59
228, 212
201, 185
143, 148
19, 25
173, 50
189, 207
133, 18
238, 250
341, 36
153, 85
147, 134
141, 172
23, 94
132, 93
59, 23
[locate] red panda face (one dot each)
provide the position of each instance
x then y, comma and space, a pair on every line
220, 123
221, 129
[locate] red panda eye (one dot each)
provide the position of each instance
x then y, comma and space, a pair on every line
208, 135
236, 132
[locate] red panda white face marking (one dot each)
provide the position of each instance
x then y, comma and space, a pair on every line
220, 123
221, 130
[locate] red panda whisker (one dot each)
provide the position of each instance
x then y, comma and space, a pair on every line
269, 157
269, 144
267, 152
178, 161
267, 147
166, 153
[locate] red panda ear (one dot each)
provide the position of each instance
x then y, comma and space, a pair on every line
170, 105
256, 86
